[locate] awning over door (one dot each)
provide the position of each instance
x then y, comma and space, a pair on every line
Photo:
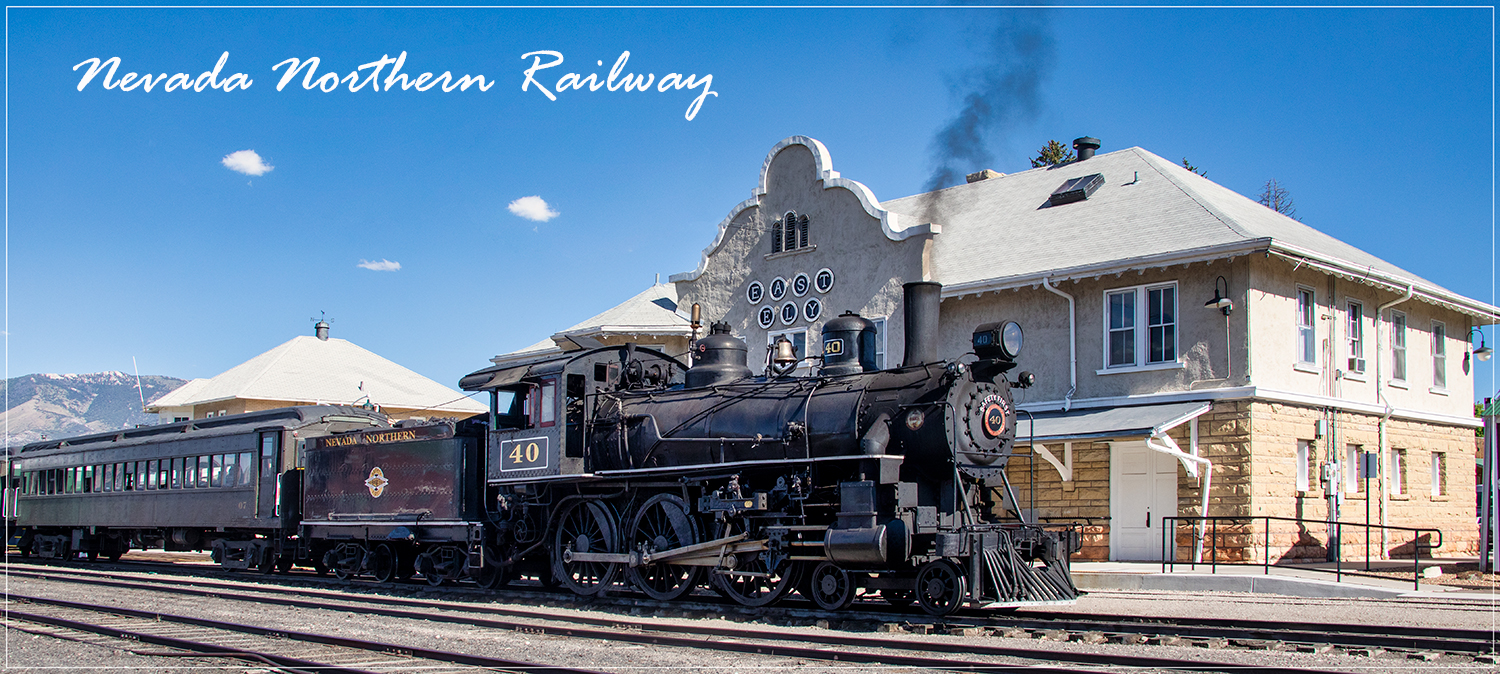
1113, 423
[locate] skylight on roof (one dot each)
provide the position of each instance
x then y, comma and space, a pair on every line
1077, 189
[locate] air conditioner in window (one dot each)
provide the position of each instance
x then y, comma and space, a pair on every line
1356, 365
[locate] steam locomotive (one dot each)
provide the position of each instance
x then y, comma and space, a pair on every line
624, 464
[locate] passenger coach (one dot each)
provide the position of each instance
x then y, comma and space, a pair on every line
203, 484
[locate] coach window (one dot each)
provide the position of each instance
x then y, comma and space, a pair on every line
246, 461
68, 480
189, 469
151, 474
176, 473
217, 471
86, 480
119, 477
203, 468
129, 477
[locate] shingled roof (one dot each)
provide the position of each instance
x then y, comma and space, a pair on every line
336, 371
1002, 232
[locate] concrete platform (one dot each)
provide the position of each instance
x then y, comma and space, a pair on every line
1310, 580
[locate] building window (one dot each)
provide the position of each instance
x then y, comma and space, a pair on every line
798, 338
1397, 480
177, 419
1307, 332
1439, 355
1304, 465
879, 342
1398, 346
1439, 474
1356, 334
789, 233
1351, 469
1140, 325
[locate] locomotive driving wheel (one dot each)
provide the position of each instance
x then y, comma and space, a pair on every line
830, 587
754, 579
941, 587
585, 527
663, 523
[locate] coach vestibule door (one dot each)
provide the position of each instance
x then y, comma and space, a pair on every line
268, 465
1142, 490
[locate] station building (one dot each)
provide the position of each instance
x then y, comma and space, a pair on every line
314, 370
1195, 352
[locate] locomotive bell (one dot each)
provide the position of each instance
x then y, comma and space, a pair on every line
848, 345
786, 354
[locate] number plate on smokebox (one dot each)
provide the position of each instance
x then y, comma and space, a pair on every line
524, 454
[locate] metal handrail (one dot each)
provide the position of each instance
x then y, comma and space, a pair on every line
1169, 561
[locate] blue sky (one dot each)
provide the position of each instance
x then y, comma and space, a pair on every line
128, 236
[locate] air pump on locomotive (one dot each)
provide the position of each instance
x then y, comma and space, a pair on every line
850, 478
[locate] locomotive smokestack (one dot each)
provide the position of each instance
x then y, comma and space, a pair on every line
920, 300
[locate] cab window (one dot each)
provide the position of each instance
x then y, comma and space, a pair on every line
509, 406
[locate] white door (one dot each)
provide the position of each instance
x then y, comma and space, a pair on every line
1142, 490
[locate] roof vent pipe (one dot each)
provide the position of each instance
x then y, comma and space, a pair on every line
321, 329
920, 301
1085, 146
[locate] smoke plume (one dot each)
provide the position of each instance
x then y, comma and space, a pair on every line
1000, 92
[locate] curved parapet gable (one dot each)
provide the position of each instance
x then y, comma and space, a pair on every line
894, 226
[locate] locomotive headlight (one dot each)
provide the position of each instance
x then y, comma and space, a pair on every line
998, 341
1010, 339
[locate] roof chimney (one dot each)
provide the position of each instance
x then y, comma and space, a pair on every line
322, 330
1085, 146
982, 175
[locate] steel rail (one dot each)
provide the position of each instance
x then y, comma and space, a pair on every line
276, 632
737, 640
1452, 640
200, 648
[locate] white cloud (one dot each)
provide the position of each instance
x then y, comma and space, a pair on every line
381, 265
532, 208
246, 162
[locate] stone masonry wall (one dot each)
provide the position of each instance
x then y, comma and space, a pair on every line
1451, 511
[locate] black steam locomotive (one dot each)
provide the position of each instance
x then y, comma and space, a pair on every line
625, 464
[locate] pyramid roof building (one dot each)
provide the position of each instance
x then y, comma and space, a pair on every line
310, 370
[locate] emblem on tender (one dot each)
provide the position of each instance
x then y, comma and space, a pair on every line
376, 482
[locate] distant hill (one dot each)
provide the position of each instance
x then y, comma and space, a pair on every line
50, 406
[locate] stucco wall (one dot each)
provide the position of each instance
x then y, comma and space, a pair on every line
1203, 348
1273, 307
869, 268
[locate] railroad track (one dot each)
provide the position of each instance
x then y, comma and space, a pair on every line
280, 648
889, 650
1052, 625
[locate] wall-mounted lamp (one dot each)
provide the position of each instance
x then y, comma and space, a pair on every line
1221, 300
1482, 353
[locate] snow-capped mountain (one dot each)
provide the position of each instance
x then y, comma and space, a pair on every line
50, 406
